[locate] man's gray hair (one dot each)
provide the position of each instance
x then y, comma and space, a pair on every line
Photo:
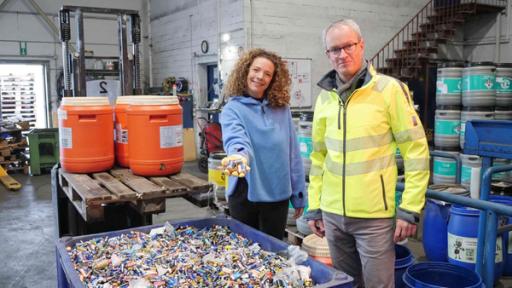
342, 23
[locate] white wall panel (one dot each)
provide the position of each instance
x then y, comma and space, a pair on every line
480, 38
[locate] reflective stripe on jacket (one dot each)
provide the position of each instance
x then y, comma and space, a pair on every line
353, 167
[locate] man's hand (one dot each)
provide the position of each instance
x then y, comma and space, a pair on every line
298, 213
317, 226
235, 165
403, 230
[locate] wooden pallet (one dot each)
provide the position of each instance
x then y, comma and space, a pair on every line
195, 183
6, 151
90, 193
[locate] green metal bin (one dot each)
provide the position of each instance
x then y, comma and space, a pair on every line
44, 149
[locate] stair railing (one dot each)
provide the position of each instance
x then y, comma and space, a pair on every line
405, 47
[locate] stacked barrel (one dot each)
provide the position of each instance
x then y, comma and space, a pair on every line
147, 136
477, 91
447, 120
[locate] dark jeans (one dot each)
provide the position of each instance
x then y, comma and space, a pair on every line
268, 217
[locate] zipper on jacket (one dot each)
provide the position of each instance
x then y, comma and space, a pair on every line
343, 182
383, 192
344, 152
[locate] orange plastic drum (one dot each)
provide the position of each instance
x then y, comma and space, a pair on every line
317, 248
86, 134
121, 127
325, 260
156, 136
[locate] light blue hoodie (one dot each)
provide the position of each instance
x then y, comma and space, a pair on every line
266, 137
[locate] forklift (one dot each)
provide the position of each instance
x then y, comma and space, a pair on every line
74, 67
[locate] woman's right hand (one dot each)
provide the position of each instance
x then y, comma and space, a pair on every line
235, 165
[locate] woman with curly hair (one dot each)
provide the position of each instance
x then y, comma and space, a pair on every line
258, 132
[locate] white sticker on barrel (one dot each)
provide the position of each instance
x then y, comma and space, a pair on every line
443, 88
62, 114
463, 249
171, 136
66, 137
121, 134
509, 249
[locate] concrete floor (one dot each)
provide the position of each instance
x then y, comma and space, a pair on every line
27, 230
27, 234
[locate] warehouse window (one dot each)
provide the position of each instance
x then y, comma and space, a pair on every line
23, 94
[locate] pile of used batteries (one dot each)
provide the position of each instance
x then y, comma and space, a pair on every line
183, 257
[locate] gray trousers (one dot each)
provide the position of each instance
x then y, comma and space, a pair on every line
362, 248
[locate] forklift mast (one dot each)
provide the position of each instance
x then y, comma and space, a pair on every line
74, 63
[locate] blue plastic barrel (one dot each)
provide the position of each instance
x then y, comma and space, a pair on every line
462, 239
435, 226
435, 222
507, 248
403, 259
441, 274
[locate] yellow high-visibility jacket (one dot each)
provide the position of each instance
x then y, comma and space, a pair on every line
353, 167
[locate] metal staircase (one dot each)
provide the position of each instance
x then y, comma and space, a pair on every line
406, 55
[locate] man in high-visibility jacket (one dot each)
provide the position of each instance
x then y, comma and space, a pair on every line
360, 119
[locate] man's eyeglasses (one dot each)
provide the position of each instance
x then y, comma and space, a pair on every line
335, 51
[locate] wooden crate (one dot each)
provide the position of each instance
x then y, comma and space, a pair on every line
90, 193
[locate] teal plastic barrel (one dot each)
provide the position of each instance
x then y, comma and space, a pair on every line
449, 84
504, 85
445, 169
447, 127
478, 85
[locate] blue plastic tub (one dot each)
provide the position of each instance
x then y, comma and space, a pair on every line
322, 275
403, 259
441, 274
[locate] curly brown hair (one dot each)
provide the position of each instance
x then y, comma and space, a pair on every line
278, 91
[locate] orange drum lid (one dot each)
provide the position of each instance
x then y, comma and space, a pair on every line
136, 99
85, 101
154, 100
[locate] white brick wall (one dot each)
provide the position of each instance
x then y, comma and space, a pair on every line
291, 28
178, 28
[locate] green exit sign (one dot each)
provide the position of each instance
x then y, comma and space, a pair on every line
23, 48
